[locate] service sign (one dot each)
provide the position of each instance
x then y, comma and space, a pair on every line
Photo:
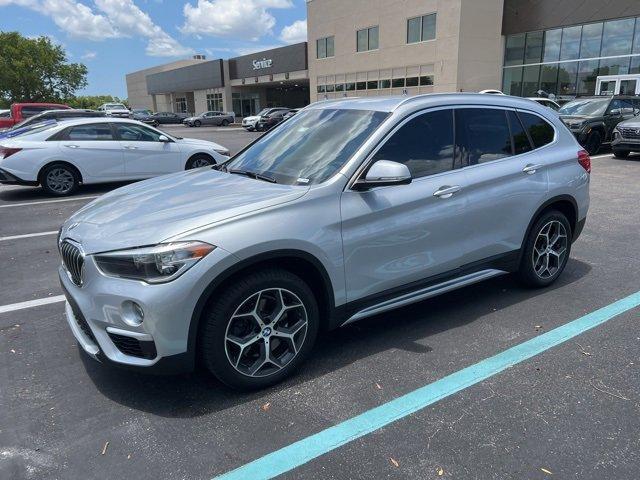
264, 63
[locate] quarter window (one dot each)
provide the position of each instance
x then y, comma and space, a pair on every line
482, 135
95, 131
521, 142
424, 144
540, 132
367, 39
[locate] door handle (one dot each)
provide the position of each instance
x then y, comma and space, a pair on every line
530, 169
130, 147
447, 191
71, 146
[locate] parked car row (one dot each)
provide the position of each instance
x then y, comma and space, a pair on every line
267, 118
210, 118
60, 156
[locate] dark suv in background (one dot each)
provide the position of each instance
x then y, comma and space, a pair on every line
593, 119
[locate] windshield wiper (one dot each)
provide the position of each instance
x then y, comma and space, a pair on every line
258, 176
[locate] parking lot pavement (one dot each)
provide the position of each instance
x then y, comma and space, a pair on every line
571, 410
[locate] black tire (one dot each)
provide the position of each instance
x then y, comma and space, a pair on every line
59, 179
198, 161
527, 272
197, 123
225, 122
593, 143
218, 316
620, 153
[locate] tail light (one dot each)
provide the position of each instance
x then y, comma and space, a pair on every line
8, 151
584, 160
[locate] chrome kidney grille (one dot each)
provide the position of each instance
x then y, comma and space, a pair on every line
73, 261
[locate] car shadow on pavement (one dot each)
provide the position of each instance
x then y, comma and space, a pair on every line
196, 394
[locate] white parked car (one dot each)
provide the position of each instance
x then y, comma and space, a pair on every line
114, 110
64, 155
252, 123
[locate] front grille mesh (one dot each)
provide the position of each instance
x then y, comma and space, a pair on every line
630, 132
73, 261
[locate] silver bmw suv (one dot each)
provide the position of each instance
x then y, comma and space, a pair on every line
349, 209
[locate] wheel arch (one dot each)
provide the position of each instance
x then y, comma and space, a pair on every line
199, 153
58, 162
298, 262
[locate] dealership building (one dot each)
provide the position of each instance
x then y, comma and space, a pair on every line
406, 47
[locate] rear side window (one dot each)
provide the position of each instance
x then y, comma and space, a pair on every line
424, 144
96, 131
31, 111
540, 132
521, 142
482, 135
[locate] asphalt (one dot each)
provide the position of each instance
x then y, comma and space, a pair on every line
571, 411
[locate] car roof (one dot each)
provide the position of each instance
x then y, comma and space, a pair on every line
85, 120
393, 103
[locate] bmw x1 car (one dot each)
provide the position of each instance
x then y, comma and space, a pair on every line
349, 209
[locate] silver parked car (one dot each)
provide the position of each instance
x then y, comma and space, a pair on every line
626, 137
210, 118
349, 209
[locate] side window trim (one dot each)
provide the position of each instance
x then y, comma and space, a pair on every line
368, 161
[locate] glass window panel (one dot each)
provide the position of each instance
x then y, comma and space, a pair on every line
96, 131
350, 86
330, 47
617, 37
636, 39
552, 39
373, 38
591, 40
330, 88
540, 131
530, 80
628, 87
321, 89
339, 87
614, 66
361, 85
482, 135
549, 79
426, 80
520, 138
412, 82
512, 81
533, 50
384, 84
413, 29
408, 145
570, 49
372, 85
635, 65
567, 74
514, 50
429, 27
587, 74
362, 40
321, 48
397, 82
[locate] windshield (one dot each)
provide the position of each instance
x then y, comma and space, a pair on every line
585, 107
310, 147
262, 112
115, 106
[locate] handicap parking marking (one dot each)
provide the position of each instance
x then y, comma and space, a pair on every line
28, 235
31, 303
41, 202
314, 446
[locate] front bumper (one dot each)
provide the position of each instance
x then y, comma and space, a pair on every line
623, 143
96, 315
7, 178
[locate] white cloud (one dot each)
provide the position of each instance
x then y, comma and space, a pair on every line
244, 19
294, 33
115, 19
254, 48
88, 55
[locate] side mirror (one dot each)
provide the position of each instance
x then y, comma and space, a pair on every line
384, 173
614, 112
163, 138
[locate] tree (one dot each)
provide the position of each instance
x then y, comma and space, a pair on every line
36, 70
92, 101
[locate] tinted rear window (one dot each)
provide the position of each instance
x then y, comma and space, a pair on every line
482, 135
520, 139
540, 131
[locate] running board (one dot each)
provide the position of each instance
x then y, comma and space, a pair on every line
428, 292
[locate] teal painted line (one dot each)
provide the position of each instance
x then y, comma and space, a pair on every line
302, 451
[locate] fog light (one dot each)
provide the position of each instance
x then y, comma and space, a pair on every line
132, 313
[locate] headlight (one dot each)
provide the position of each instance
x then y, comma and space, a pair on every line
222, 151
158, 264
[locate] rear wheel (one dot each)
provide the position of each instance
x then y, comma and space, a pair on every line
198, 161
59, 179
225, 122
593, 143
260, 329
621, 153
546, 250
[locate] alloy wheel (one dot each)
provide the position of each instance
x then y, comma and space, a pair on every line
60, 180
200, 162
266, 332
550, 249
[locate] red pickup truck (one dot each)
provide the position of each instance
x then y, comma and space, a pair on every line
20, 111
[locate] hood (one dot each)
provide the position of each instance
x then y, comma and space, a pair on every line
630, 123
196, 142
149, 212
251, 118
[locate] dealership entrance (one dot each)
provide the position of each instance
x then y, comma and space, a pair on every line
250, 99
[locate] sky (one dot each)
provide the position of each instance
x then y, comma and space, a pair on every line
116, 37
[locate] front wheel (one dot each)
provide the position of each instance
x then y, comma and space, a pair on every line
225, 122
546, 250
197, 123
593, 142
259, 329
198, 161
59, 180
620, 153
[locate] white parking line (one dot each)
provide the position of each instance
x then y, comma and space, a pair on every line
31, 303
27, 235
24, 204
603, 156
